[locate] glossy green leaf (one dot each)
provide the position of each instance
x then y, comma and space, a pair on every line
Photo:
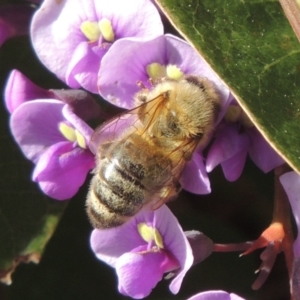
253, 48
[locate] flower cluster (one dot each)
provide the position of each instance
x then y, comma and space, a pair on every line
51, 135
106, 47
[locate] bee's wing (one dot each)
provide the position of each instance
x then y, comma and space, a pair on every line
173, 187
126, 123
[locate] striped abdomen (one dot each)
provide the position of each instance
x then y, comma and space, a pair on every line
129, 175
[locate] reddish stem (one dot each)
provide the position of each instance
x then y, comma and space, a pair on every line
282, 214
232, 247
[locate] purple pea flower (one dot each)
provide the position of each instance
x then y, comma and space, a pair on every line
14, 20
291, 184
51, 135
71, 37
236, 136
215, 295
164, 56
143, 249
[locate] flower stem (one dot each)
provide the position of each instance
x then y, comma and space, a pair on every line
232, 247
282, 214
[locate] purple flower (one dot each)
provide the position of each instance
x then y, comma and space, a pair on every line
291, 184
51, 135
215, 295
14, 20
143, 249
20, 89
236, 137
164, 56
71, 37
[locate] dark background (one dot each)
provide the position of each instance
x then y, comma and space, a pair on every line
233, 212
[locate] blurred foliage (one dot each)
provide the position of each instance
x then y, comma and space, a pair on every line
27, 217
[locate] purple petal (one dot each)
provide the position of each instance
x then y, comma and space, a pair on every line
194, 177
53, 21
201, 245
291, 183
34, 126
229, 143
62, 169
80, 102
233, 167
20, 89
78, 124
109, 244
60, 23
263, 155
215, 295
224, 105
139, 272
133, 18
174, 240
119, 88
296, 278
83, 68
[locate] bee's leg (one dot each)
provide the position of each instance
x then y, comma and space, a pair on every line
102, 152
167, 194
158, 203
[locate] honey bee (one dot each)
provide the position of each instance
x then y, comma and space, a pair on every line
141, 153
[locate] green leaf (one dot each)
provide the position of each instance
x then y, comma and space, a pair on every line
27, 218
253, 48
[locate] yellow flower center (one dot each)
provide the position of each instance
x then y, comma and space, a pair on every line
72, 135
93, 30
156, 71
149, 234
